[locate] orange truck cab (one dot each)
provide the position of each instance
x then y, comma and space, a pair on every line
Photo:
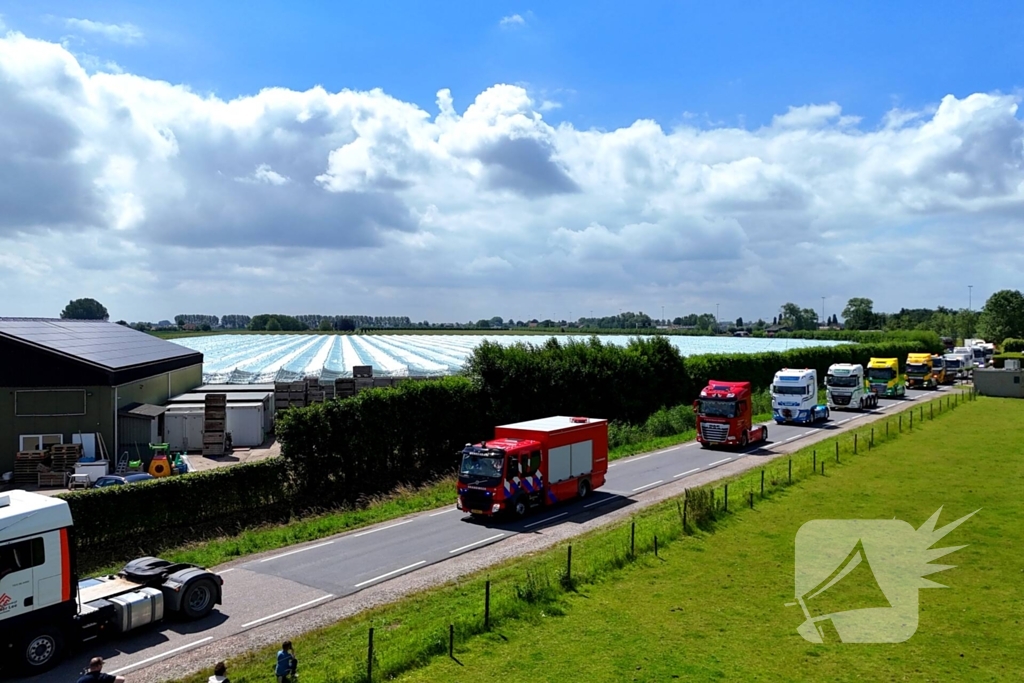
724, 415
533, 464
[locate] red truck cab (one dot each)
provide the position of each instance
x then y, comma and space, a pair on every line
724, 415
533, 464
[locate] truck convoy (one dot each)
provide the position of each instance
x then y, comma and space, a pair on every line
845, 388
939, 370
962, 360
533, 464
45, 610
921, 371
795, 397
724, 412
884, 377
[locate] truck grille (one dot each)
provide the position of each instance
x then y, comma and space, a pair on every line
841, 399
713, 431
476, 500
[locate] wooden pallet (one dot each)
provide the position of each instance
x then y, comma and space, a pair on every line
51, 479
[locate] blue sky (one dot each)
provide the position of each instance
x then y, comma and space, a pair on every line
729, 62
511, 167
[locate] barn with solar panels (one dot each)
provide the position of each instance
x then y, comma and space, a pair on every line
62, 379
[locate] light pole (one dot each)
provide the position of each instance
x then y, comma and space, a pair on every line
716, 318
823, 310
969, 296
662, 315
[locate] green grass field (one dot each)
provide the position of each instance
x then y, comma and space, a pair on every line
712, 605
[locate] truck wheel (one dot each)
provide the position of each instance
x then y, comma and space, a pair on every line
198, 599
584, 488
42, 650
744, 440
520, 508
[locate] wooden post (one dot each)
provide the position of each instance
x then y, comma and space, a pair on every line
762, 482
814, 461
854, 445
931, 410
823, 468
451, 640
791, 470
487, 605
685, 501
568, 567
727, 497
911, 418
751, 500
871, 443
655, 545
901, 422
369, 657
632, 537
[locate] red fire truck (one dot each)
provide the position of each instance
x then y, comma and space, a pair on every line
533, 464
724, 415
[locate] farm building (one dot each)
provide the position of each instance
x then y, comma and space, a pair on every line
63, 381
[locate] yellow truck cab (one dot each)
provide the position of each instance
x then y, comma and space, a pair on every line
884, 377
939, 371
921, 371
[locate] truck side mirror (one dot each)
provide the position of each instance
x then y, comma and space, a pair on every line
696, 406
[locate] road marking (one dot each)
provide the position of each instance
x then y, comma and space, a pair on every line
806, 433
792, 438
640, 458
160, 656
489, 538
290, 609
382, 528
384, 576
599, 502
844, 421
691, 445
442, 512
683, 474
674, 448
647, 486
548, 519
719, 462
226, 571
300, 550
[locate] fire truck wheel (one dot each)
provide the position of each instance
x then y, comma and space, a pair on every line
42, 649
764, 433
584, 488
198, 599
744, 440
520, 508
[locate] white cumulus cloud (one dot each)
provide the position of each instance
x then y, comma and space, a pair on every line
126, 34
157, 200
513, 20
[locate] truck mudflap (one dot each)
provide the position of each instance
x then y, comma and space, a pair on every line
192, 591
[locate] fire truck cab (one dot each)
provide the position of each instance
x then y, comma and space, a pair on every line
533, 464
724, 413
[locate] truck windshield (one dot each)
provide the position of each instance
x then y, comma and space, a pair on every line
952, 363
789, 390
884, 374
716, 408
481, 465
848, 381
979, 353
917, 369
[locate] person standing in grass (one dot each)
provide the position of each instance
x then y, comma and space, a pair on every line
286, 663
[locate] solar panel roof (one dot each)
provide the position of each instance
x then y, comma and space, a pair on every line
105, 344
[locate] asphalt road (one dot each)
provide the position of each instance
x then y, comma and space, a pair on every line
294, 579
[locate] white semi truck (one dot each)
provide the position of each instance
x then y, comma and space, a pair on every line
845, 388
45, 611
795, 397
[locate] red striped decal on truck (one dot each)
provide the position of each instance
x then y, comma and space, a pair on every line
65, 567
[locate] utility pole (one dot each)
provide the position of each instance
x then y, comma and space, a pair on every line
663, 314
823, 310
716, 318
969, 297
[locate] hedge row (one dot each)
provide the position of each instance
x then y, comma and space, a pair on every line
344, 451
1011, 345
931, 340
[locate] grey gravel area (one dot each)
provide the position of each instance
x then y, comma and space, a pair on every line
449, 571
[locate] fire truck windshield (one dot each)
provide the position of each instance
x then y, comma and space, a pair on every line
848, 381
884, 374
717, 408
481, 466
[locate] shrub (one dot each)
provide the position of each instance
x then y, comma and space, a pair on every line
1012, 345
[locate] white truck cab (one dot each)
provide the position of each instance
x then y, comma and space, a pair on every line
795, 396
845, 388
43, 607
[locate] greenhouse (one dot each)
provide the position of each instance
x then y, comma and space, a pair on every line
256, 358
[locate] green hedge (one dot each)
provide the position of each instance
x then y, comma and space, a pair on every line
998, 360
1011, 345
931, 340
119, 522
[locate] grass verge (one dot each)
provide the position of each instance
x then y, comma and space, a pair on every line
714, 597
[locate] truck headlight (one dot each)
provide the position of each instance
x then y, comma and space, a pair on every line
496, 507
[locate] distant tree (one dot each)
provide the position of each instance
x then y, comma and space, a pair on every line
122, 322
1002, 316
775, 320
325, 326
85, 309
739, 322
858, 314
273, 325
346, 324
205, 327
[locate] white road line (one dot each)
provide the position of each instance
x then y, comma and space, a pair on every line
442, 512
718, 462
844, 421
290, 609
793, 438
807, 433
599, 502
489, 538
384, 576
300, 550
640, 458
612, 465
683, 474
647, 486
226, 571
674, 448
547, 519
691, 445
382, 528
160, 656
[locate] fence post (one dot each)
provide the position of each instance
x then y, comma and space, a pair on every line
685, 506
823, 468
854, 446
901, 422
679, 509
727, 497
762, 482
814, 461
921, 415
568, 567
791, 470
886, 430
931, 410
751, 500
632, 537
369, 657
911, 418
871, 444
655, 545
451, 640
487, 605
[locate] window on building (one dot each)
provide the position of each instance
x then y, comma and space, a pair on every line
49, 403
39, 442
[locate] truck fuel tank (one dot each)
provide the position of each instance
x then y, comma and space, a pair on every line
138, 608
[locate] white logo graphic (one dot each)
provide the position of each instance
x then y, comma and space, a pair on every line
881, 564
